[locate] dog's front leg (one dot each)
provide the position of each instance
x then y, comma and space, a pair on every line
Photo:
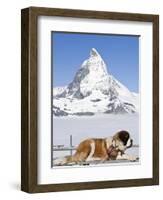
126, 157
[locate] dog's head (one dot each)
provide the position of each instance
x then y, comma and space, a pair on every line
122, 140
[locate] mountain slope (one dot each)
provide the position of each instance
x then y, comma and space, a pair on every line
93, 90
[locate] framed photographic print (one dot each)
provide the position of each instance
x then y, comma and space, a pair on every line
90, 100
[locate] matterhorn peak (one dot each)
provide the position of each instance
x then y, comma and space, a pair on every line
93, 90
94, 53
95, 62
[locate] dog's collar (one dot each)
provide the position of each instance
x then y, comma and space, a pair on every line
110, 150
112, 147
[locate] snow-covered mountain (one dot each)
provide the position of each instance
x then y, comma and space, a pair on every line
93, 90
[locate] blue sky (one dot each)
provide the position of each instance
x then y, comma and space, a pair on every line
120, 53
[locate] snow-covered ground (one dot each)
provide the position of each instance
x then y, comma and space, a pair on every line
102, 125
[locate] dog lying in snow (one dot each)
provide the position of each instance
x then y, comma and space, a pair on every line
102, 149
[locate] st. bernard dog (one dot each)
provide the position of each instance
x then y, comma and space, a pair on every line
102, 149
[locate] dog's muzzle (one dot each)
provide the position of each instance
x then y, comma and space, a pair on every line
131, 144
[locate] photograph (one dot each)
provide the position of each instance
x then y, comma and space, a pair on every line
95, 99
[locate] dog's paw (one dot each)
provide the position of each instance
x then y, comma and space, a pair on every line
133, 158
59, 161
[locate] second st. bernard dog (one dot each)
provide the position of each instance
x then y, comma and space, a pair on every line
102, 149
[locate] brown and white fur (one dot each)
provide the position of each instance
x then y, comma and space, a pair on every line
101, 149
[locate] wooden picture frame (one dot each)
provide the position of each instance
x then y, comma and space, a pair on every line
29, 110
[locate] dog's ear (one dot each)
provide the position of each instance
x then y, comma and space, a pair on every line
124, 136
